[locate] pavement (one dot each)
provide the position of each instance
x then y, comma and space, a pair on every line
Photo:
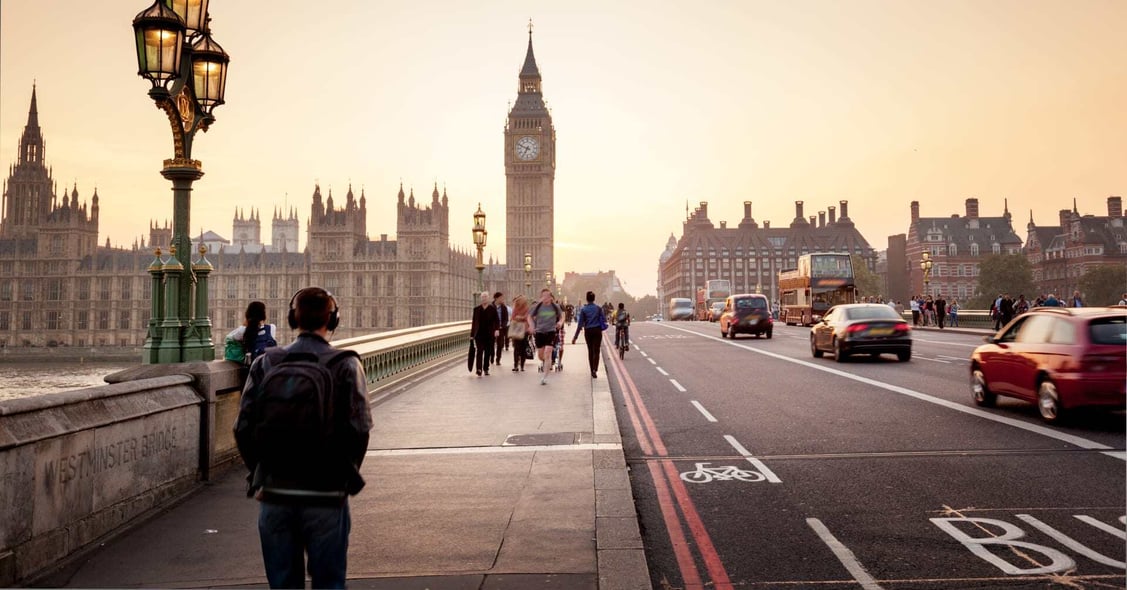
474, 482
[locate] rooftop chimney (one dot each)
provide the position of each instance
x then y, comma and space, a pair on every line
813, 221
915, 211
972, 208
833, 214
1115, 207
798, 219
821, 219
767, 224
747, 210
844, 209
704, 209
1065, 216
723, 224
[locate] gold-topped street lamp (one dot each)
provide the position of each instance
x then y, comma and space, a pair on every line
479, 236
528, 273
548, 279
188, 73
925, 266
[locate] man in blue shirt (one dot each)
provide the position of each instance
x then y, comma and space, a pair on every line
592, 322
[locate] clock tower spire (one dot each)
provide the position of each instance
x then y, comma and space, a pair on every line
530, 173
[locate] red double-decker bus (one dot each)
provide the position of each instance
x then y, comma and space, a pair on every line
821, 281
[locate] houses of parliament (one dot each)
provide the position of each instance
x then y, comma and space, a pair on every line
60, 287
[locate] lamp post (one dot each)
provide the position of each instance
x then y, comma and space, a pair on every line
479, 235
528, 273
188, 72
925, 266
548, 279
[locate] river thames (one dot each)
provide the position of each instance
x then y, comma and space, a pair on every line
28, 379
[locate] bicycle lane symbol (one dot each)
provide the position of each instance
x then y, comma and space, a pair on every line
705, 474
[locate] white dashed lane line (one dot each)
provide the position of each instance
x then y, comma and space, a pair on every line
924, 358
642, 353
767, 473
662, 371
652, 362
707, 415
677, 385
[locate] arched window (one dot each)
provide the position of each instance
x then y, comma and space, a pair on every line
997, 248
974, 249
952, 250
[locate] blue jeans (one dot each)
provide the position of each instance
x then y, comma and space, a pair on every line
288, 532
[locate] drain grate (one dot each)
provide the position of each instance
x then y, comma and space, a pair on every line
546, 438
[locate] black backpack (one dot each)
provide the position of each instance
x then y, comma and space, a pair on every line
294, 414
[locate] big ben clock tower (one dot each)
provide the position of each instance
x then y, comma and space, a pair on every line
530, 174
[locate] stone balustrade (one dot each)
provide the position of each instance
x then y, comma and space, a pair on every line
78, 465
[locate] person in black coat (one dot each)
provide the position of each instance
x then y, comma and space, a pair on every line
484, 329
502, 325
1006, 309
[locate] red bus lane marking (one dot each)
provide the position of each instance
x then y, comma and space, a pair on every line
690, 576
709, 555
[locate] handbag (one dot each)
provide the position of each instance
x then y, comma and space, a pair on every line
518, 330
233, 351
529, 351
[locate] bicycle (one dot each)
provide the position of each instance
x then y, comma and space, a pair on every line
622, 341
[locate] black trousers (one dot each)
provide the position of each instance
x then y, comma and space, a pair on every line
519, 345
484, 355
594, 338
502, 344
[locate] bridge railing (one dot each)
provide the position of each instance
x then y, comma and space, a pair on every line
387, 354
968, 318
76, 465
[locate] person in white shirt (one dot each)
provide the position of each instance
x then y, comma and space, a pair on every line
915, 306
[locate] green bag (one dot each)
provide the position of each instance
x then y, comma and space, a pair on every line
233, 351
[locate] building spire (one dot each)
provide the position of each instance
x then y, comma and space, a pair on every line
529, 70
33, 112
1074, 210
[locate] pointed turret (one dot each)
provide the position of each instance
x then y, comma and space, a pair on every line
363, 200
434, 195
33, 111
411, 199
1030, 225
529, 69
401, 192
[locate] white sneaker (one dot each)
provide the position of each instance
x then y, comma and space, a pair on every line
543, 379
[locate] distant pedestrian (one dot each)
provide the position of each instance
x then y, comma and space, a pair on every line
1123, 300
592, 321
1052, 301
953, 312
1006, 309
250, 340
519, 329
996, 312
502, 325
914, 303
483, 330
940, 311
547, 319
303, 468
1076, 300
1021, 305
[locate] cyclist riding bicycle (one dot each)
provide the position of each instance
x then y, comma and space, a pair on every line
622, 326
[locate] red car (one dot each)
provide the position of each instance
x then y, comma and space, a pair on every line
1058, 358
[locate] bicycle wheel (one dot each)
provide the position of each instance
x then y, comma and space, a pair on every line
621, 352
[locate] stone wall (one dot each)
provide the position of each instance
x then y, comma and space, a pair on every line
77, 465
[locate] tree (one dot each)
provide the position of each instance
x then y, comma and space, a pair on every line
867, 282
1002, 273
646, 306
1103, 285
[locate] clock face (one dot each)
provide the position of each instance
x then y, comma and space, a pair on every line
528, 148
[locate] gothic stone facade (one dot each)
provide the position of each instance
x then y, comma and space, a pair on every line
59, 287
751, 256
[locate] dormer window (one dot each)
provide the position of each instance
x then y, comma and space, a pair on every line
952, 250
997, 248
973, 249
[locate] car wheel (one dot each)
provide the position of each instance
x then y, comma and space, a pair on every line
768, 334
980, 391
814, 349
903, 356
1048, 402
839, 354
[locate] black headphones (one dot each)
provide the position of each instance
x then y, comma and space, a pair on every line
334, 315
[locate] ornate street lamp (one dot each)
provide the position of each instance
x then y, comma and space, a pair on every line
528, 273
548, 279
479, 235
188, 72
925, 266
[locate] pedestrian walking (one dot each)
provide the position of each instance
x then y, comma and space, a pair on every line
483, 331
1123, 300
914, 304
1076, 300
996, 312
953, 310
1006, 309
592, 321
547, 319
502, 342
940, 311
519, 329
302, 468
250, 340
1021, 305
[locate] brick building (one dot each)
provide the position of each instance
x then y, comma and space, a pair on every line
956, 245
750, 255
1061, 254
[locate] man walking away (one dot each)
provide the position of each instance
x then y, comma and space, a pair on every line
1006, 309
915, 305
547, 319
592, 322
483, 329
940, 311
502, 325
304, 462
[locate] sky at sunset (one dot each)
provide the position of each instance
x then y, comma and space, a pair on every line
655, 103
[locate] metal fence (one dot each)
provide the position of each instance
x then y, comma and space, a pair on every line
967, 318
387, 354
